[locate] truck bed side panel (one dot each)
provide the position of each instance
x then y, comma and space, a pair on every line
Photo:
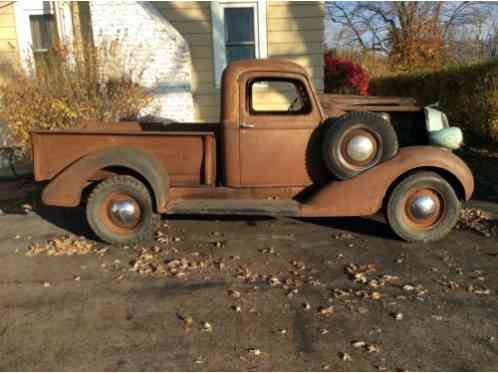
184, 155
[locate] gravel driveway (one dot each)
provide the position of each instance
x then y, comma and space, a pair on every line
237, 294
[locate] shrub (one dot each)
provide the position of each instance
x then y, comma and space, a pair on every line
342, 76
70, 85
468, 95
375, 64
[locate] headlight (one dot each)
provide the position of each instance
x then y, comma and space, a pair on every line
450, 138
435, 120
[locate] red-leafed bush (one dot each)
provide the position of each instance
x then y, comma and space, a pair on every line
342, 76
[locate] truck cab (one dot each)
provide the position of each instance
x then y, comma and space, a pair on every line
272, 137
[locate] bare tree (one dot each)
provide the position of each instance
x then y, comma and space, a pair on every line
407, 32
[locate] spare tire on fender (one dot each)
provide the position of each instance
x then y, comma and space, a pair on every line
356, 142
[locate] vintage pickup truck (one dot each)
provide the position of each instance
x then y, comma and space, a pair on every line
299, 154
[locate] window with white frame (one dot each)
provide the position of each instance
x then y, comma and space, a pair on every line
39, 25
239, 32
44, 37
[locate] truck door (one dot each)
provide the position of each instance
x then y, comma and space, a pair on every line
277, 118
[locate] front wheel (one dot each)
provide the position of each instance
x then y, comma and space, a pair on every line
423, 207
120, 211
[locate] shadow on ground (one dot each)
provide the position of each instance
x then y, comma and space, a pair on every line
72, 220
372, 226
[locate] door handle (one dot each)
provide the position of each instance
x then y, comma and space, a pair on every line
245, 125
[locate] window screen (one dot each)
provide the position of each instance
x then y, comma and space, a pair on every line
239, 34
44, 37
43, 31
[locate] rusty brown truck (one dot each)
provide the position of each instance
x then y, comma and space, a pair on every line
297, 154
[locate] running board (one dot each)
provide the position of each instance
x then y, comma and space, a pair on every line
285, 207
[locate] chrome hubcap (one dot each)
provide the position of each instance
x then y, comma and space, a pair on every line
125, 213
360, 148
423, 207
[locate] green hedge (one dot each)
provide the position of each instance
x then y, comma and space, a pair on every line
467, 94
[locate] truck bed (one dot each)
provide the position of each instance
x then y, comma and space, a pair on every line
53, 151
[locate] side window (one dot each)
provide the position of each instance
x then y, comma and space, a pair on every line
273, 96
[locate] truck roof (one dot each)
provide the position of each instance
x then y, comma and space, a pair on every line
236, 68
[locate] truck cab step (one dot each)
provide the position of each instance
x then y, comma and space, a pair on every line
287, 207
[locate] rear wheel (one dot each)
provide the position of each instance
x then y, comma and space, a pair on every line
423, 207
120, 211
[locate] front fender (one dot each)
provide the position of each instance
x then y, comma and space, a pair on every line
65, 189
364, 194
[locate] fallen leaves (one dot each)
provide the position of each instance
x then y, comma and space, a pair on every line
254, 351
268, 251
274, 281
358, 344
478, 290
359, 272
65, 245
199, 360
344, 236
152, 261
206, 327
326, 311
344, 356
398, 316
368, 347
478, 221
234, 293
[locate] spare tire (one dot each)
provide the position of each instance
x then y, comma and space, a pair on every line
356, 142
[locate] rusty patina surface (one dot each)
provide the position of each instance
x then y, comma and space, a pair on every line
66, 188
268, 157
364, 194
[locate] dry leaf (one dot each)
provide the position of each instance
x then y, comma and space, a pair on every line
358, 344
398, 316
254, 351
373, 348
345, 356
326, 311
207, 327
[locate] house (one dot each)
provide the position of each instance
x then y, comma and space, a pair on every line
184, 45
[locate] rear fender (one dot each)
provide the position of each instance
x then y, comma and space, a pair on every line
364, 194
66, 188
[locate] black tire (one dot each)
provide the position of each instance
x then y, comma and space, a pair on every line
105, 224
404, 221
341, 131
